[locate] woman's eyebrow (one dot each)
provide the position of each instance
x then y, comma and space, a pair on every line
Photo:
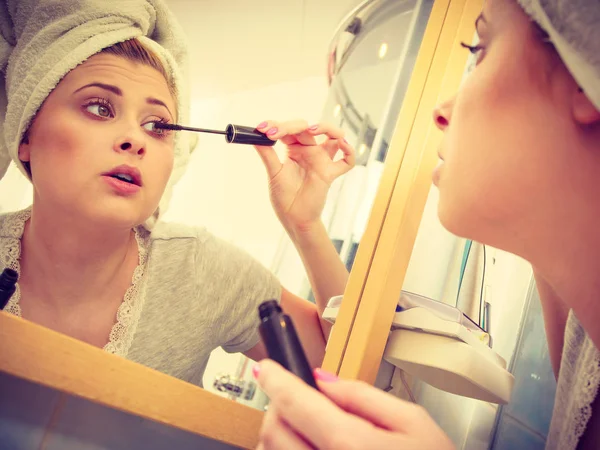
117, 91
107, 87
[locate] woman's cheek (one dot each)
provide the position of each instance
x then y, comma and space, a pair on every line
167, 170
161, 176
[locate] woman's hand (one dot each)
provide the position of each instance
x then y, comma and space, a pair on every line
298, 186
344, 415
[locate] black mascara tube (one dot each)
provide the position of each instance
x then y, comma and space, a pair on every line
234, 134
238, 134
8, 282
283, 346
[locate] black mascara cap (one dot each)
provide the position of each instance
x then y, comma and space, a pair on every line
238, 134
266, 309
8, 279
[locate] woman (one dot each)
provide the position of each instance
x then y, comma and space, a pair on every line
520, 171
92, 262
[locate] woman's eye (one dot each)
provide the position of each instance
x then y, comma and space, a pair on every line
99, 110
476, 50
151, 126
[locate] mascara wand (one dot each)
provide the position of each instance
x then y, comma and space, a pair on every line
234, 134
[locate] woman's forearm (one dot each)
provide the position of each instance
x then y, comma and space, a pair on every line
326, 272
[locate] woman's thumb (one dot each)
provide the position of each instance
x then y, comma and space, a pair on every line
270, 159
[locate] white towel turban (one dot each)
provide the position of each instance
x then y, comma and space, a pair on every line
574, 29
42, 40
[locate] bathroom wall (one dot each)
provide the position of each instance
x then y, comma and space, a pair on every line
15, 191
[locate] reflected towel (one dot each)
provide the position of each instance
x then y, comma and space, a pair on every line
42, 40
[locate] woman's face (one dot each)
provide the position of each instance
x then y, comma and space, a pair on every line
96, 124
516, 161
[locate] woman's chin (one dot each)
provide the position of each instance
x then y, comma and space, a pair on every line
118, 214
452, 217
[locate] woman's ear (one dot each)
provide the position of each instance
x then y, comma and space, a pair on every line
584, 111
25, 148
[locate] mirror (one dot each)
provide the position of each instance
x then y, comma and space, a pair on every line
496, 293
224, 188
378, 54
375, 55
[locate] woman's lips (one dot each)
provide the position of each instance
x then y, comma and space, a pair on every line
121, 187
132, 174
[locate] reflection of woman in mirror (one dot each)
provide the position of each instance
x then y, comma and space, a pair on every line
521, 172
93, 261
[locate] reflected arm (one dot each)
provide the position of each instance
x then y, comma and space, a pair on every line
307, 324
326, 271
328, 277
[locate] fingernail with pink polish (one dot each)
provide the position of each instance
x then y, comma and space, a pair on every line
256, 370
322, 375
272, 131
344, 139
262, 125
313, 128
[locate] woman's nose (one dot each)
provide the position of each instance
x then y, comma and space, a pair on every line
442, 114
132, 144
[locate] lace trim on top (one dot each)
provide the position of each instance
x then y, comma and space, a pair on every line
588, 390
122, 332
587, 382
580, 368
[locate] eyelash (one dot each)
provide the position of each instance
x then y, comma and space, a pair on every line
100, 102
161, 134
474, 49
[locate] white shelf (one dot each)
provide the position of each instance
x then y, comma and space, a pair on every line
443, 353
449, 364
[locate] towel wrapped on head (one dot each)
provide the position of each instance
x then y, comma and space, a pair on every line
42, 40
574, 29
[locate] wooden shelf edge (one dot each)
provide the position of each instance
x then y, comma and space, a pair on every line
43, 356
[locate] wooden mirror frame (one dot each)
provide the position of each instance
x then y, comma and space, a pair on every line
359, 336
